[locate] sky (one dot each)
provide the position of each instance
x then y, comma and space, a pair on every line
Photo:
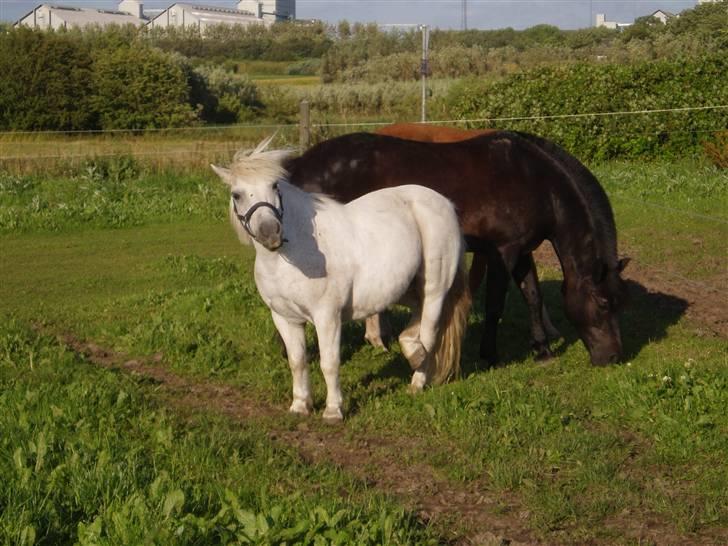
445, 14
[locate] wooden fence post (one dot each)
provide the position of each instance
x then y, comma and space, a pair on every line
304, 126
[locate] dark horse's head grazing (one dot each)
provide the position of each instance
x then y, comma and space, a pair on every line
512, 191
593, 289
592, 302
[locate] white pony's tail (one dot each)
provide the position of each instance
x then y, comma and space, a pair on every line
451, 328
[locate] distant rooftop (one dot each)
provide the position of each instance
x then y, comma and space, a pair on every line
216, 9
79, 17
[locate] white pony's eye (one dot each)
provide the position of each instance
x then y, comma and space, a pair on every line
235, 195
275, 186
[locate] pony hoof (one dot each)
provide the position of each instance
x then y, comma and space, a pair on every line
544, 357
543, 353
300, 407
377, 342
333, 416
419, 380
489, 361
554, 335
415, 389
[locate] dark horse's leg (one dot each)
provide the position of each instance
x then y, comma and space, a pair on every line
496, 286
478, 268
524, 274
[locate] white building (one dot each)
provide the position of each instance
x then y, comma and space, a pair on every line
601, 21
49, 16
248, 12
663, 16
270, 10
201, 17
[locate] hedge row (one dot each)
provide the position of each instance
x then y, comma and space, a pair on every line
587, 89
64, 81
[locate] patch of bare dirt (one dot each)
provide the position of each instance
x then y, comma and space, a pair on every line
190, 394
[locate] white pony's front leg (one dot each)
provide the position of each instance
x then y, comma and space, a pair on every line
294, 337
328, 331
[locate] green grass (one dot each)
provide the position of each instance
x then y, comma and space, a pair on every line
96, 456
671, 213
88, 457
288, 80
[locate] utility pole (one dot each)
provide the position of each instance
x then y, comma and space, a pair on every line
464, 15
424, 64
424, 68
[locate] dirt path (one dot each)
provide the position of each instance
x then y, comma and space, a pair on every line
462, 514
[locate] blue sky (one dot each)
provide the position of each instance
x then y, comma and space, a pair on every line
483, 14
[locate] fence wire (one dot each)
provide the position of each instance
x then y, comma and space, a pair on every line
365, 124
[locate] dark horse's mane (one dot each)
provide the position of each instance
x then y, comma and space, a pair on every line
590, 191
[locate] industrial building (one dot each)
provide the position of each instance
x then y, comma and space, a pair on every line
183, 15
247, 12
49, 16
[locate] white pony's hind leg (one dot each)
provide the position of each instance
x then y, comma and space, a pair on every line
376, 329
414, 350
328, 330
429, 322
409, 340
294, 337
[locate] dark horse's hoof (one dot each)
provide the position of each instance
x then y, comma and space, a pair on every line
488, 361
542, 352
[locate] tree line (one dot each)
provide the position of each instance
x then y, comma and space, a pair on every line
130, 78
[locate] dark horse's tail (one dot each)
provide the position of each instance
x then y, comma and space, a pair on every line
586, 185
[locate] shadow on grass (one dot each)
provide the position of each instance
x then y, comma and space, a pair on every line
646, 320
648, 317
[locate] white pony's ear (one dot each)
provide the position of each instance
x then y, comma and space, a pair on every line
224, 174
264, 144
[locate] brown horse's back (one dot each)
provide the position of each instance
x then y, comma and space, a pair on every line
491, 191
431, 133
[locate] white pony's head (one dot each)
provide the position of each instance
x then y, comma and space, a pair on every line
256, 205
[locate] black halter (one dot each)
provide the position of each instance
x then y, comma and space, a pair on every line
244, 219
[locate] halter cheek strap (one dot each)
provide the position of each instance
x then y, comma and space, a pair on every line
244, 219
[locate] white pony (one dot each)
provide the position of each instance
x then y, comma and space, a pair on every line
319, 261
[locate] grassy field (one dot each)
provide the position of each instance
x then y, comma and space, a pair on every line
143, 266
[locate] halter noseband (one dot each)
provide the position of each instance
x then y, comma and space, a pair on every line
244, 219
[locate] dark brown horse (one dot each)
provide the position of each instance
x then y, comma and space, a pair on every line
541, 326
512, 191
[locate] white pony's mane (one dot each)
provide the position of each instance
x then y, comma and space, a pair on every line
261, 165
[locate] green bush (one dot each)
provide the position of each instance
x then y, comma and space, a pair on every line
585, 89
45, 83
231, 98
139, 88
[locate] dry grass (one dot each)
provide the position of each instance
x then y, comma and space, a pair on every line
192, 148
717, 150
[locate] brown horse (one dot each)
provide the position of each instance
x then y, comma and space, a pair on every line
541, 325
513, 191
431, 133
